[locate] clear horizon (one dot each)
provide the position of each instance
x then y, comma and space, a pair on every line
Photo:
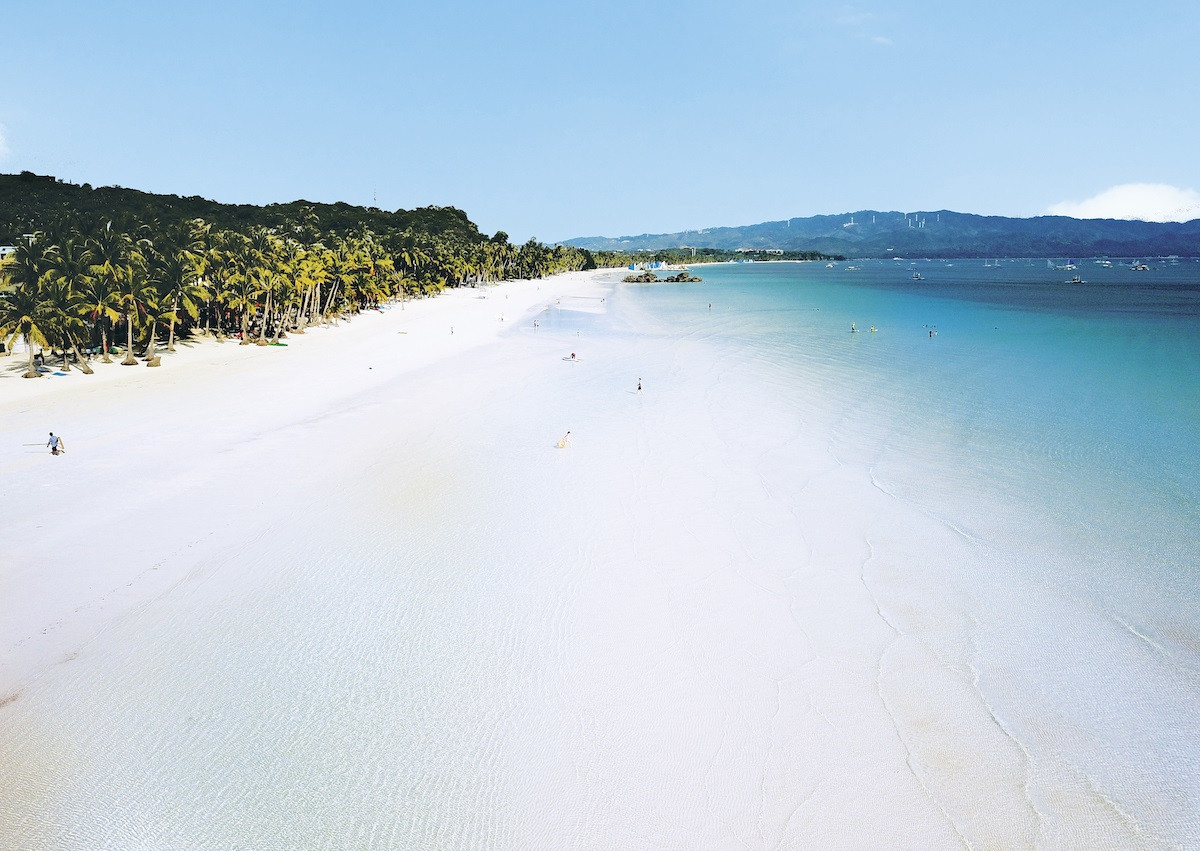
579, 121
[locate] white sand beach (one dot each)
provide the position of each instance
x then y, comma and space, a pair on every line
349, 594
162, 464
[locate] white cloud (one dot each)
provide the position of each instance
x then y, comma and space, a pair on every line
1149, 202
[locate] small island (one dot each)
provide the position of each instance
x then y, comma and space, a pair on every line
650, 278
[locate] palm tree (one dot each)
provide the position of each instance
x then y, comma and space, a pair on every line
343, 265
30, 263
174, 275
259, 262
110, 252
288, 267
137, 295
215, 269
410, 254
65, 320
241, 293
72, 270
311, 271
24, 311
155, 312
99, 303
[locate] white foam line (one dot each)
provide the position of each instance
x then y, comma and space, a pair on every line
1130, 628
1134, 825
908, 754
1026, 756
958, 530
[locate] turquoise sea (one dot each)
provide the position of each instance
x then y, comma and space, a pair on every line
1053, 427
1081, 401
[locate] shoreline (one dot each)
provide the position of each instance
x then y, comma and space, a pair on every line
142, 437
202, 351
744, 584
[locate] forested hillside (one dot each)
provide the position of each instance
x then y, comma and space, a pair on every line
30, 202
942, 233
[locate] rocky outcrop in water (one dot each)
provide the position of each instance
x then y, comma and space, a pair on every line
651, 278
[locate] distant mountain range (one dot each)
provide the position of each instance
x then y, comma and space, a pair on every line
942, 233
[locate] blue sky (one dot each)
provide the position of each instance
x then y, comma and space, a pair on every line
574, 119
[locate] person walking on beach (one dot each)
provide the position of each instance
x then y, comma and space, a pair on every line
639, 387
56, 444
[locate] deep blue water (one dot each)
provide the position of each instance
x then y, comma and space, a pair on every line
1098, 383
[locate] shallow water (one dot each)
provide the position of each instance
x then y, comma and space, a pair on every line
1052, 427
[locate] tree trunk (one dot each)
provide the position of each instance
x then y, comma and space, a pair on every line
66, 364
129, 360
104, 339
301, 312
262, 332
245, 330
83, 364
31, 372
279, 327
329, 301
171, 336
151, 360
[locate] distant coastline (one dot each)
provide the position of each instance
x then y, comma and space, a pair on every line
937, 234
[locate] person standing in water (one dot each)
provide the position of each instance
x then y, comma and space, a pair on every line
56, 444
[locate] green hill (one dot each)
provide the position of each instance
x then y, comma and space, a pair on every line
31, 202
941, 233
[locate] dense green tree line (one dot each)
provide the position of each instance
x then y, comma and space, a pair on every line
76, 287
30, 202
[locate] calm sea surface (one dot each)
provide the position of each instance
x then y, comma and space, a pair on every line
1078, 401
